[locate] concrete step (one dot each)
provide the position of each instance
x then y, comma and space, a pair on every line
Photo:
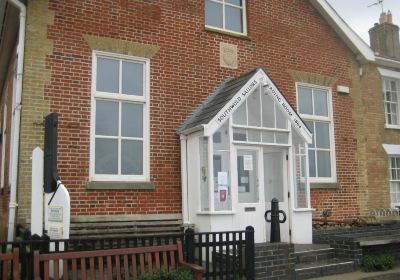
314, 255
323, 268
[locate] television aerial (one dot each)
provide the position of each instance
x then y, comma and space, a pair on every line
378, 2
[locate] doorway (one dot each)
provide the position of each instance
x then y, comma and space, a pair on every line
276, 186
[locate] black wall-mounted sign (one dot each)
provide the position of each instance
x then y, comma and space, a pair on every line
50, 153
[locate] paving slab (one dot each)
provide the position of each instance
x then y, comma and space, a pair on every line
393, 274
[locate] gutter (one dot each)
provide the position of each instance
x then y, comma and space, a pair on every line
16, 118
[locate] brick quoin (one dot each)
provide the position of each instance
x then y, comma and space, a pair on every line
283, 35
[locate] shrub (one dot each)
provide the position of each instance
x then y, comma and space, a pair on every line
377, 262
163, 274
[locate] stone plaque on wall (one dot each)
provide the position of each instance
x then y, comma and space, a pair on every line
228, 55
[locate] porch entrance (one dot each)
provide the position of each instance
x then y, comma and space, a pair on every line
261, 175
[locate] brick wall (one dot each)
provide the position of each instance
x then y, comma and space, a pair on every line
371, 133
283, 36
274, 261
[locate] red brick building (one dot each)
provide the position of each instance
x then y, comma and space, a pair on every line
125, 75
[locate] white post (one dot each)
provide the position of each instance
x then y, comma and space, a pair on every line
37, 192
57, 219
57, 214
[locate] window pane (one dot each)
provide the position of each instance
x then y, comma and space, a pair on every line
132, 157
268, 115
393, 162
322, 135
204, 177
324, 163
310, 126
233, 19
268, 137
387, 85
132, 78
254, 136
106, 156
234, 2
305, 101
393, 86
213, 14
239, 135
132, 120
107, 76
320, 103
254, 109
106, 118
388, 96
281, 121
247, 167
281, 137
311, 163
273, 176
394, 97
240, 115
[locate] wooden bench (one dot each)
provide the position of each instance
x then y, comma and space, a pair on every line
9, 263
112, 263
113, 226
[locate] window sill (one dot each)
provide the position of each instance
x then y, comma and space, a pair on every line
324, 185
391, 126
112, 185
303, 210
215, 213
226, 32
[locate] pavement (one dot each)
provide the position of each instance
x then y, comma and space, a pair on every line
393, 274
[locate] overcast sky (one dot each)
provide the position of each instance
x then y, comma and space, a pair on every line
361, 18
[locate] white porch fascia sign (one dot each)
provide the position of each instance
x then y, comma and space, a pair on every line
259, 78
233, 104
286, 109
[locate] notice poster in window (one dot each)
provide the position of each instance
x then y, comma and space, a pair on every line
222, 178
247, 162
222, 193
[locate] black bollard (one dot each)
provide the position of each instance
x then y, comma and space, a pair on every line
275, 228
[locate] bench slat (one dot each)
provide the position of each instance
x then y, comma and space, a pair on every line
65, 269
118, 267
142, 271
172, 256
126, 266
91, 264
109, 268
134, 270
55, 269
83, 268
150, 262
46, 270
124, 224
165, 259
157, 255
5, 270
101, 268
74, 269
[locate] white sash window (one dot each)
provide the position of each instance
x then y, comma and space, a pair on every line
119, 137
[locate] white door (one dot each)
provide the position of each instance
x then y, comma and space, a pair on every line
276, 186
250, 210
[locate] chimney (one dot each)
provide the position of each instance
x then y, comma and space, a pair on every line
384, 37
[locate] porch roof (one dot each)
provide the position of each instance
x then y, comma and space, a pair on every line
217, 108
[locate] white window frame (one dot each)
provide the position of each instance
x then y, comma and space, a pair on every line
391, 181
392, 151
223, 3
397, 102
145, 100
330, 120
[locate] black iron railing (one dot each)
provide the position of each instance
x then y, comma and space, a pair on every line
224, 255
